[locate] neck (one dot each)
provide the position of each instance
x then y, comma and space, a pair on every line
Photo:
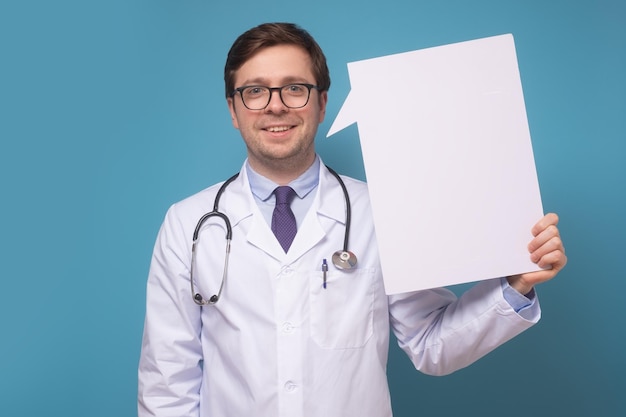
282, 172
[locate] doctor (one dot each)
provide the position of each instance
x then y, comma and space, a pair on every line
278, 342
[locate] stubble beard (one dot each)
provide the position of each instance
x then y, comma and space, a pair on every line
295, 158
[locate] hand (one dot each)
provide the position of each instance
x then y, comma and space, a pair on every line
546, 250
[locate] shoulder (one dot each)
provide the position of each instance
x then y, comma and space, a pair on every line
191, 208
353, 185
357, 190
202, 200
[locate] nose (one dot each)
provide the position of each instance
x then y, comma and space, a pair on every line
276, 104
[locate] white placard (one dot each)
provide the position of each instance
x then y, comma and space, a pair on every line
449, 162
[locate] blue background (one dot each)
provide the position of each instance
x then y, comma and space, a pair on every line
112, 110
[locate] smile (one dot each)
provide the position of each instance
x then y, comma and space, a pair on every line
276, 129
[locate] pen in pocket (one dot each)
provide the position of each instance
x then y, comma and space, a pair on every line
324, 272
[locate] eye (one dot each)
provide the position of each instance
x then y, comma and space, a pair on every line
254, 91
295, 89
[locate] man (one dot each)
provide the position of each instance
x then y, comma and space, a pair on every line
291, 334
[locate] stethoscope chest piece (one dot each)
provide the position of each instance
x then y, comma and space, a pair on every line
344, 259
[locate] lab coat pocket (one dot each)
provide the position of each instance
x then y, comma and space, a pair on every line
342, 313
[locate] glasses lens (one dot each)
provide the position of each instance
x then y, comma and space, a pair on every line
255, 97
295, 95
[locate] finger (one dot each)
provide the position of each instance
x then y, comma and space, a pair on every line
553, 263
549, 236
534, 278
554, 260
553, 244
550, 219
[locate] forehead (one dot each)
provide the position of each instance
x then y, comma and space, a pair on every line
276, 65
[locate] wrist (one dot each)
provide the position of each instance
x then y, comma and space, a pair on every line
517, 283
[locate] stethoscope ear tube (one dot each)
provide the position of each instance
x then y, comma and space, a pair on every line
197, 297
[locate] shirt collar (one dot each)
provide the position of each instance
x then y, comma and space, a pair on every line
263, 187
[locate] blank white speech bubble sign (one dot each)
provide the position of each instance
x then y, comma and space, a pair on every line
449, 162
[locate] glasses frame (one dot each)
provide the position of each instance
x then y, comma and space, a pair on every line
309, 87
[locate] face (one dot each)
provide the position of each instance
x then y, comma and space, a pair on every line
280, 140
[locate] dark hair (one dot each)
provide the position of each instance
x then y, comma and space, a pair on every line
272, 34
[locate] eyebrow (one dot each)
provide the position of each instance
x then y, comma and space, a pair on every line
284, 81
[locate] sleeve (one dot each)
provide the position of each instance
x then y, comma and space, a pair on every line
442, 333
526, 306
170, 365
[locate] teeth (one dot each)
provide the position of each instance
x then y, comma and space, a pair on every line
278, 128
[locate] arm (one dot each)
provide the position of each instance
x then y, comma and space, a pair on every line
442, 334
170, 364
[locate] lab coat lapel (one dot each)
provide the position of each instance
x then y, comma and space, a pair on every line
243, 208
261, 236
309, 234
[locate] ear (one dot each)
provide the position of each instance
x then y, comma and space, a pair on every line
233, 113
323, 99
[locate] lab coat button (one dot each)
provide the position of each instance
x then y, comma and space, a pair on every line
288, 327
290, 386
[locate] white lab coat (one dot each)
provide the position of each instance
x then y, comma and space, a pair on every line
277, 343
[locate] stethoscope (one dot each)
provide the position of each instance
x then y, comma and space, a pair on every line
342, 259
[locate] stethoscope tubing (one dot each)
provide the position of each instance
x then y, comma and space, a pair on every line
197, 298
346, 196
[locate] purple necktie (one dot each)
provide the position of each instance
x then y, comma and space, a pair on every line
283, 220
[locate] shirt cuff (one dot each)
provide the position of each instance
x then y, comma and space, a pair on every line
524, 305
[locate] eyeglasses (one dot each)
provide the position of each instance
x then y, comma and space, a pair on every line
257, 97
